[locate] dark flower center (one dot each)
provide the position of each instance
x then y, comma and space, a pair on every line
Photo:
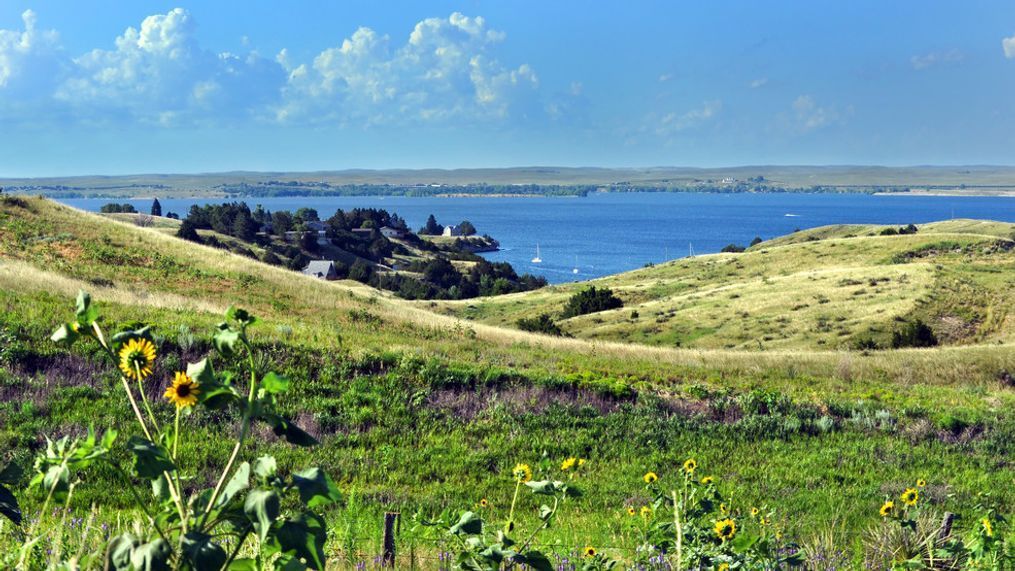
183, 391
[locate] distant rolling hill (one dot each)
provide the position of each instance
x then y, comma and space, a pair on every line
833, 288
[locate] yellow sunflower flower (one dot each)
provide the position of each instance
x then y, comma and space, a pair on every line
921, 483
724, 508
522, 473
755, 512
988, 528
589, 551
632, 512
650, 477
484, 503
136, 358
723, 567
581, 462
707, 480
183, 392
690, 465
568, 464
910, 496
725, 529
646, 511
887, 509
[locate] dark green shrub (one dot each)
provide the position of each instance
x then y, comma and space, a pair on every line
543, 323
914, 334
591, 300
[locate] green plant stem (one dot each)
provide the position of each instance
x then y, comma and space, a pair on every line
30, 540
546, 524
244, 429
680, 532
137, 499
511, 515
176, 433
239, 544
144, 400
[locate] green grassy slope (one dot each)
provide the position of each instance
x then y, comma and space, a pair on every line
417, 410
824, 288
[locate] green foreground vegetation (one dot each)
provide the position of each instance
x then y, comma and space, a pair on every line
428, 415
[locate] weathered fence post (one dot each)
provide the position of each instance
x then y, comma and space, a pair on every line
389, 539
946, 526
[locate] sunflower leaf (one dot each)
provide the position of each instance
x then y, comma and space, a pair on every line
150, 459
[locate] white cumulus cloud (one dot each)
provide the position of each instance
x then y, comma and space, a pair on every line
29, 58
160, 73
445, 70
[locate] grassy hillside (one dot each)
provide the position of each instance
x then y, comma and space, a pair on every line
421, 411
827, 288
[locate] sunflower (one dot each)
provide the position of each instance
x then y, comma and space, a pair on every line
650, 477
632, 512
988, 529
522, 473
707, 480
755, 512
910, 496
483, 503
183, 392
723, 567
691, 465
581, 462
724, 508
887, 509
136, 358
568, 464
589, 551
725, 529
646, 511
764, 520
921, 483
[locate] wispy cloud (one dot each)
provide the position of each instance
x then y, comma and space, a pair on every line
809, 115
671, 123
931, 59
756, 83
1008, 44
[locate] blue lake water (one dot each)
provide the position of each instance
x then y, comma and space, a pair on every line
614, 232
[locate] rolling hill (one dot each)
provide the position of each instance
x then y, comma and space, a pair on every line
835, 287
419, 411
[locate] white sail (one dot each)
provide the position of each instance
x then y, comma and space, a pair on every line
537, 259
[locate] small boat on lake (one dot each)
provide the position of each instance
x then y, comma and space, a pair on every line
537, 259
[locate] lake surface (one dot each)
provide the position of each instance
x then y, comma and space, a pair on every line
614, 232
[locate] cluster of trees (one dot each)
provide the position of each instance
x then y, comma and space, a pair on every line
910, 229
115, 208
588, 300
357, 232
432, 228
737, 248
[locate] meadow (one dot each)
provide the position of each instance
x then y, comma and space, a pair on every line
426, 413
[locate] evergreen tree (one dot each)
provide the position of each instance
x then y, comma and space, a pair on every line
156, 208
432, 227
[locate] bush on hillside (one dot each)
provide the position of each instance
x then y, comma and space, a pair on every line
914, 334
591, 300
732, 249
543, 323
114, 208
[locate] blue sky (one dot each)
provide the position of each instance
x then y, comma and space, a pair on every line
101, 87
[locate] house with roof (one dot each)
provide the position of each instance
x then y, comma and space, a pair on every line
452, 230
321, 269
389, 232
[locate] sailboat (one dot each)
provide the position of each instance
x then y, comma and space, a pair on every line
537, 259
575, 269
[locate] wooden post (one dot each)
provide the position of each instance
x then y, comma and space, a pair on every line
946, 526
389, 539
